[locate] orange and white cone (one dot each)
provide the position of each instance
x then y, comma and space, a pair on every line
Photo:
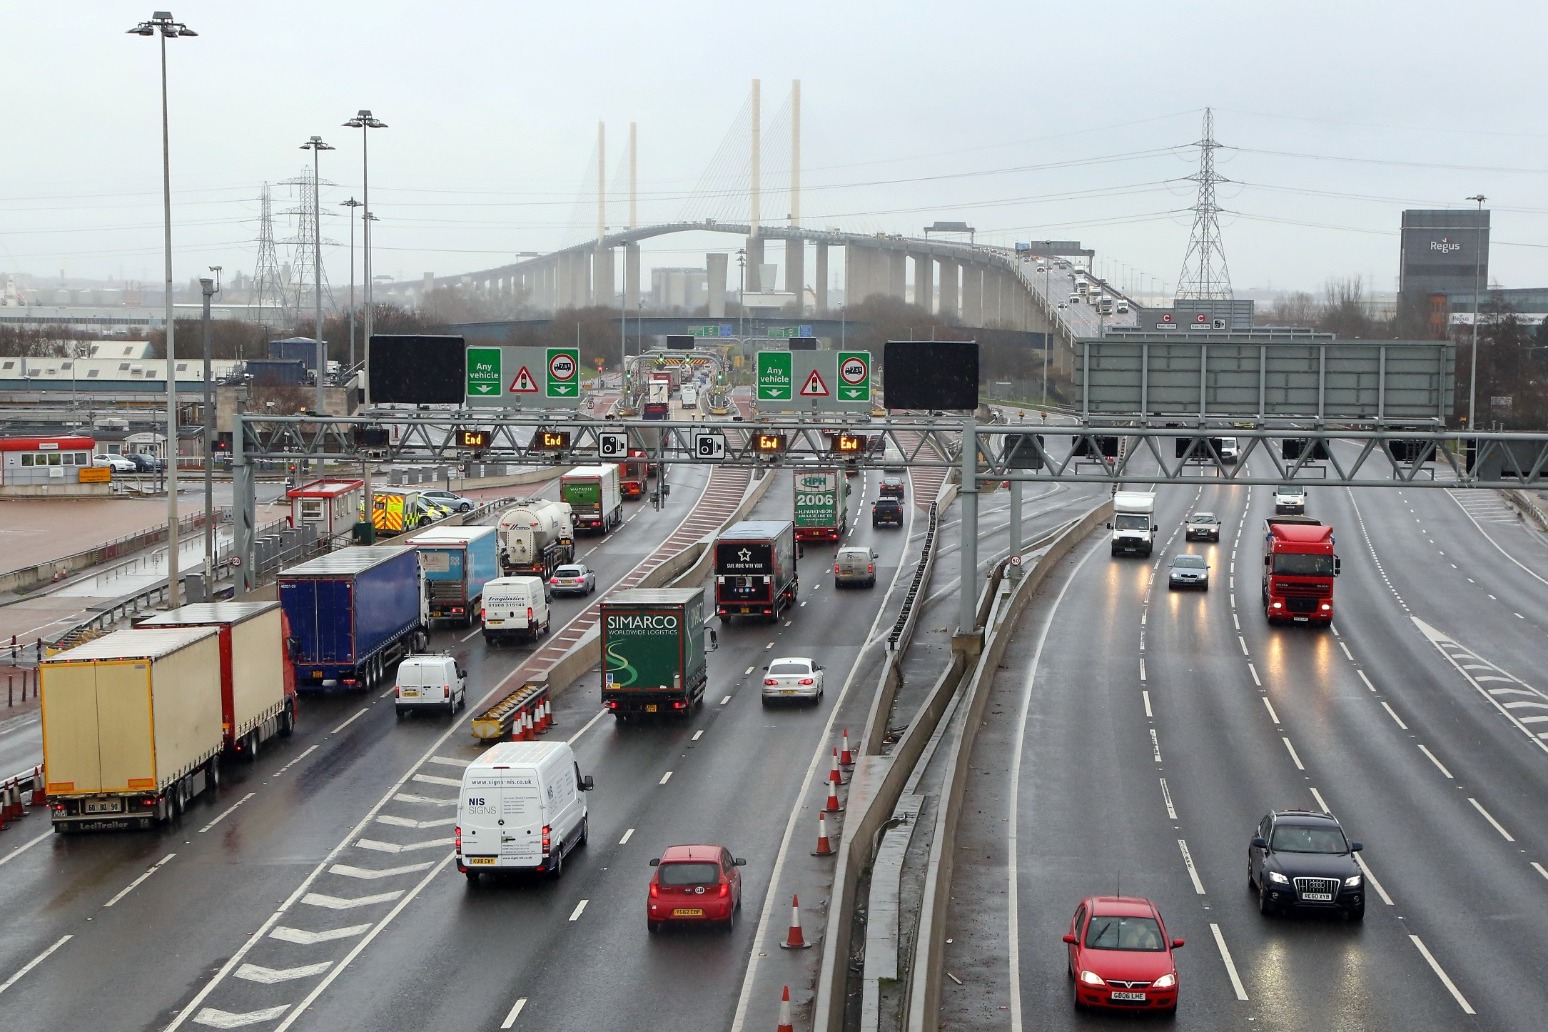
784, 1013
833, 804
542, 716
824, 847
846, 758
795, 940
39, 794
834, 774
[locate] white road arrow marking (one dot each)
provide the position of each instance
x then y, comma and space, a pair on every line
318, 899
372, 874
306, 938
274, 976
393, 847
225, 1019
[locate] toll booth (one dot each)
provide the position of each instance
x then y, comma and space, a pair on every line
332, 505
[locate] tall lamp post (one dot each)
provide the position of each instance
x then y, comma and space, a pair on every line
161, 24
1472, 377
741, 293
209, 288
316, 145
365, 122
351, 204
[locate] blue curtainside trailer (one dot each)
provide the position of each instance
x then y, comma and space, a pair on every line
353, 613
458, 562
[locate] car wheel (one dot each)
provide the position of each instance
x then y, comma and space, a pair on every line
1357, 912
730, 923
765, 701
472, 877
1264, 906
1170, 1014
1252, 885
653, 926
556, 869
401, 711
465, 507
1075, 994
585, 834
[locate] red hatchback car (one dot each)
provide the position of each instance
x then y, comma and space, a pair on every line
695, 884
1120, 956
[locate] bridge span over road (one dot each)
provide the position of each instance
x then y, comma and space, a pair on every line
980, 286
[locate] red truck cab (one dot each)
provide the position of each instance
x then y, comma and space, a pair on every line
1299, 565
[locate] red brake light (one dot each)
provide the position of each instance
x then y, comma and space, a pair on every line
546, 841
770, 681
835, 567
457, 840
529, 614
725, 889
807, 680
654, 891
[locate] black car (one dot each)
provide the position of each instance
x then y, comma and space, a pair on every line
892, 486
144, 463
887, 512
1301, 859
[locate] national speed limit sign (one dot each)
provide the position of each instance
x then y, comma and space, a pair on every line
709, 444
612, 445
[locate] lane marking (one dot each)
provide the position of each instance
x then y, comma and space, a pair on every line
665, 778
1438, 764
1440, 973
19, 850
356, 716
34, 962
1155, 745
1193, 873
1145, 695
725, 700
1361, 675
510, 1019
1166, 797
1253, 670
227, 812
626, 837
579, 909
1396, 719
698, 734
1293, 756
1225, 956
1269, 705
134, 884
1490, 818
1539, 869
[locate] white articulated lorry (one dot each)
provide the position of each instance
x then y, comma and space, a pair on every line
1133, 524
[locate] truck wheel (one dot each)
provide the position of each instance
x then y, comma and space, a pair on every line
556, 868
472, 877
585, 834
212, 776
401, 711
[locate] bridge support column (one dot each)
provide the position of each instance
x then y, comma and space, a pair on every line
631, 286
854, 275
716, 263
950, 273
973, 293
924, 282
754, 265
820, 278
602, 276
897, 274
795, 272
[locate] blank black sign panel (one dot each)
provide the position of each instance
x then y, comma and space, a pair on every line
930, 374
414, 369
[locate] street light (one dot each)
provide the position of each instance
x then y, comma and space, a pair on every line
1472, 377
161, 24
351, 204
315, 145
209, 288
365, 122
741, 292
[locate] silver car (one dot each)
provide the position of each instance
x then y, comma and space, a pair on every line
1187, 571
792, 677
448, 500
1202, 526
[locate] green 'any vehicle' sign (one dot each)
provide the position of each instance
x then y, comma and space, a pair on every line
483, 372
773, 376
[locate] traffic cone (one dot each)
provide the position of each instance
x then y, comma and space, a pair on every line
834, 774
39, 789
833, 804
784, 1013
795, 940
541, 718
527, 733
846, 758
824, 847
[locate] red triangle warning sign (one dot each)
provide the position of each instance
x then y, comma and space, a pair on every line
524, 383
814, 387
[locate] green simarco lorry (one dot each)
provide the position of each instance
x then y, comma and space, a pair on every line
653, 660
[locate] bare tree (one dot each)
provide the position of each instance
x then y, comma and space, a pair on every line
1343, 308
1297, 309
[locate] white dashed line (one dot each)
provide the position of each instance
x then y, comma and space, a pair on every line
1198, 886
1438, 764
665, 778
579, 908
1268, 705
1490, 818
1291, 749
626, 837
510, 1019
1396, 719
1441, 974
1225, 956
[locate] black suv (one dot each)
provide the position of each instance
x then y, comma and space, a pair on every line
1300, 858
892, 486
887, 511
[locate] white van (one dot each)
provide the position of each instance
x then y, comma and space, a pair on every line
515, 607
521, 809
436, 682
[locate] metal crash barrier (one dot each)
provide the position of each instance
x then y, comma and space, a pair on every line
520, 717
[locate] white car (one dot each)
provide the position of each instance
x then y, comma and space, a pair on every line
117, 463
792, 677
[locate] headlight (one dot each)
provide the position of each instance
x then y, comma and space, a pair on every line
1090, 978
1277, 878
1352, 882
1165, 981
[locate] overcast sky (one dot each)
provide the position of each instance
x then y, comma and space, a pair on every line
1026, 120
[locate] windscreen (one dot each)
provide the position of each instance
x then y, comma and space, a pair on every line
1304, 565
1131, 521
679, 874
1123, 933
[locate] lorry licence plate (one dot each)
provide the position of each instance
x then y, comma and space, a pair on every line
687, 912
103, 806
